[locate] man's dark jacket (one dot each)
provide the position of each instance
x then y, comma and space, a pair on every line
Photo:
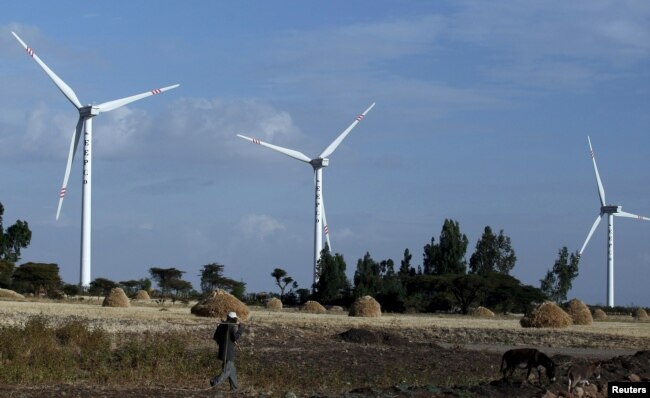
226, 335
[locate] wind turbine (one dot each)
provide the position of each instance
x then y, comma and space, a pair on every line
610, 211
317, 164
86, 113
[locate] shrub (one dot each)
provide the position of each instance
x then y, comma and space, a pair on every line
640, 314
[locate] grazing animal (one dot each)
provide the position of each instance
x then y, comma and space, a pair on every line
580, 374
527, 358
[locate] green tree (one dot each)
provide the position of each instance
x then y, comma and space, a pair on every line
164, 277
333, 285
212, 278
405, 267
37, 278
367, 277
493, 254
101, 286
448, 256
17, 237
6, 271
467, 290
282, 280
130, 287
559, 279
178, 288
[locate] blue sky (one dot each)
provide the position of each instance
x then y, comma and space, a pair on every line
482, 116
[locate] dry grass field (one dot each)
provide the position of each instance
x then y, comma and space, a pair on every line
313, 354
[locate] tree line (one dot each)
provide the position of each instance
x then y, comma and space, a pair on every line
444, 281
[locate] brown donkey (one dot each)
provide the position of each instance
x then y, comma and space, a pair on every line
527, 358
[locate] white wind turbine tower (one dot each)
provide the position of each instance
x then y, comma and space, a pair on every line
86, 113
610, 211
317, 164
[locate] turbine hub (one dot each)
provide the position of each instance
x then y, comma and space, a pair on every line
89, 111
611, 209
319, 163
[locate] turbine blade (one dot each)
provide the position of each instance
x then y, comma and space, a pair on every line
630, 215
286, 151
325, 226
601, 191
76, 135
591, 232
332, 147
110, 105
65, 89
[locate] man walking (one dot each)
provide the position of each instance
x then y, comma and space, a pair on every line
226, 335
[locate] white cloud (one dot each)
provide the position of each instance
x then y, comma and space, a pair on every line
258, 226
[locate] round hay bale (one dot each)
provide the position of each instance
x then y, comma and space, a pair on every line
483, 312
335, 308
365, 306
640, 314
142, 295
546, 315
10, 294
116, 298
274, 304
313, 307
599, 315
579, 313
218, 304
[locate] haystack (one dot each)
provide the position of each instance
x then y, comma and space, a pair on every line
116, 298
579, 313
273, 304
546, 315
218, 304
142, 295
313, 307
599, 315
640, 314
10, 294
365, 306
483, 312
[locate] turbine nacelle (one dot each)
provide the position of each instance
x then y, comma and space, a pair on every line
89, 111
611, 209
319, 163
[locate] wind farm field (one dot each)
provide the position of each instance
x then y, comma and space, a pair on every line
155, 350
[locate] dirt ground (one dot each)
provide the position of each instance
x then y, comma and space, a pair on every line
391, 362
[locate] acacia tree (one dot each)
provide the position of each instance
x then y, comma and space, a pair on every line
101, 287
17, 237
282, 280
212, 278
493, 254
559, 279
448, 256
164, 277
37, 278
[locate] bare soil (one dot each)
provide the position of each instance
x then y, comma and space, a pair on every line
366, 359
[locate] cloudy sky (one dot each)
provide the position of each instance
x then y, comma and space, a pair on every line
482, 116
